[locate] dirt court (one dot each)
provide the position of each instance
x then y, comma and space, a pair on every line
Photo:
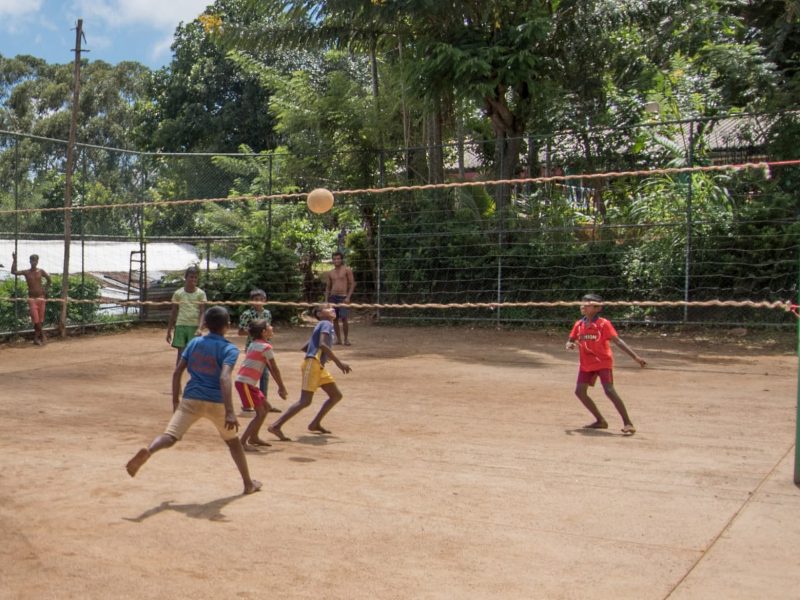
456, 469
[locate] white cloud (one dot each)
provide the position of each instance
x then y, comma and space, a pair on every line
17, 8
159, 14
162, 48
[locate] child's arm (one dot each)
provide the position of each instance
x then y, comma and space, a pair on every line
351, 284
571, 343
231, 422
628, 351
327, 285
173, 316
201, 307
326, 349
276, 375
14, 265
47, 277
176, 383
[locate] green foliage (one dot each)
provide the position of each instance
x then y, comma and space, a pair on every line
14, 314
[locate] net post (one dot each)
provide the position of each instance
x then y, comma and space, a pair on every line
797, 403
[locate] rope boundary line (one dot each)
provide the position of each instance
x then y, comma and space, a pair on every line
785, 306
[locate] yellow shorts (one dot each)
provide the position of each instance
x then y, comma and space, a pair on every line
314, 375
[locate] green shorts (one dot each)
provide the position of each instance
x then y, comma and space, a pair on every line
182, 335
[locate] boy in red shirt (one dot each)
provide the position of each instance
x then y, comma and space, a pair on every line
593, 333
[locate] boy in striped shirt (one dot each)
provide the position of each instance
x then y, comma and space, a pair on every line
259, 356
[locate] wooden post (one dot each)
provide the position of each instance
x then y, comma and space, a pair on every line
73, 125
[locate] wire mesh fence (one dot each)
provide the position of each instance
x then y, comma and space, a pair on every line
139, 219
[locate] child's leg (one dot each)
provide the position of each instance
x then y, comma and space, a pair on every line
303, 402
581, 391
250, 436
337, 331
346, 330
159, 443
620, 406
237, 453
334, 395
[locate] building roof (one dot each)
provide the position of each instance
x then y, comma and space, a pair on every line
104, 256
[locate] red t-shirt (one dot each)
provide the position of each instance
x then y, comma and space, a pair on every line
593, 343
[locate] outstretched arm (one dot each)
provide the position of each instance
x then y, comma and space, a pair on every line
14, 264
628, 351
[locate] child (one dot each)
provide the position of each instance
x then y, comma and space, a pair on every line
318, 352
259, 356
36, 293
256, 311
186, 317
339, 287
210, 360
592, 333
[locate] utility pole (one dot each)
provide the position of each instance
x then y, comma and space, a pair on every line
73, 125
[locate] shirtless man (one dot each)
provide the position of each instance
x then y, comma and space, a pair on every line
36, 293
339, 286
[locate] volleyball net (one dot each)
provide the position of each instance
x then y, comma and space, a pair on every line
708, 244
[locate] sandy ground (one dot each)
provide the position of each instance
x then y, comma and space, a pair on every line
457, 469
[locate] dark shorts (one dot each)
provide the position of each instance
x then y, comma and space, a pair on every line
342, 312
589, 377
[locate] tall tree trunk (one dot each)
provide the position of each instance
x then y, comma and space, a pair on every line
436, 154
508, 139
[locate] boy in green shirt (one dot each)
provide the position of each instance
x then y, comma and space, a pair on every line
186, 318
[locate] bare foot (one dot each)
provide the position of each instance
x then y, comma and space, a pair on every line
249, 448
596, 425
629, 429
276, 431
137, 461
253, 487
273, 409
259, 442
317, 429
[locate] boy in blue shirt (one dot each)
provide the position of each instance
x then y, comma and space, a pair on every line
209, 360
318, 352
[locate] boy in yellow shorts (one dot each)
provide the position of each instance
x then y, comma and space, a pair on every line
315, 375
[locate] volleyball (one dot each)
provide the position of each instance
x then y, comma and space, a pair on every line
319, 200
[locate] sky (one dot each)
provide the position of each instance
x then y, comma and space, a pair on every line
115, 30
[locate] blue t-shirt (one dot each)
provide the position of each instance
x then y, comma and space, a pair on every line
205, 357
316, 338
